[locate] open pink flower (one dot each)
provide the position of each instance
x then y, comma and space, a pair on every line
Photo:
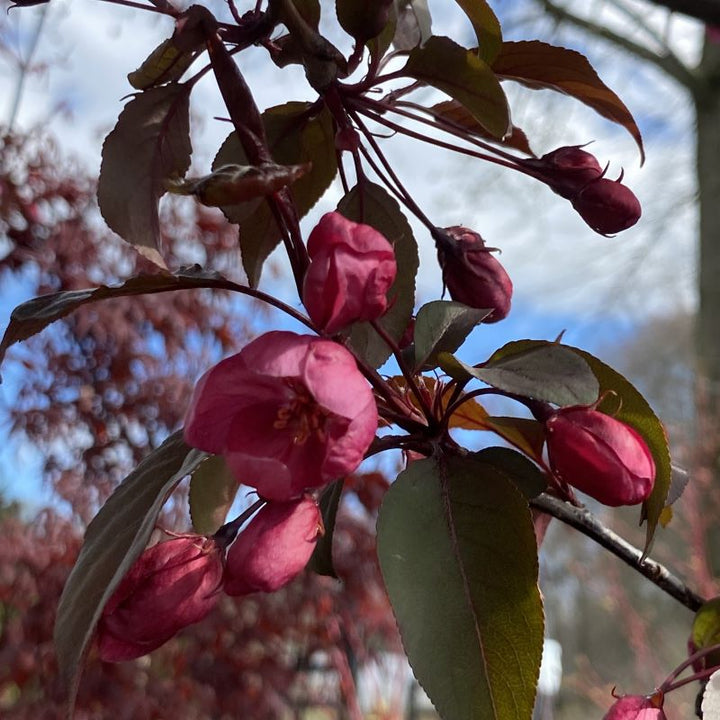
171, 585
288, 412
274, 547
352, 267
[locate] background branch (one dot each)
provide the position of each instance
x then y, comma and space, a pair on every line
584, 521
667, 62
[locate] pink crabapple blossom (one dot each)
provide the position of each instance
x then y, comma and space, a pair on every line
288, 413
600, 455
472, 275
352, 267
171, 585
637, 707
274, 547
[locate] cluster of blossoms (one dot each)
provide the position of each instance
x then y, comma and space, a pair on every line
291, 413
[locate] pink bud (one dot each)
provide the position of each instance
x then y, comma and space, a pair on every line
273, 548
637, 707
352, 267
472, 275
600, 456
607, 206
171, 585
288, 412
566, 170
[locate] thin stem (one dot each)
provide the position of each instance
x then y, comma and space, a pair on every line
702, 675
393, 442
399, 189
409, 377
226, 534
162, 9
439, 123
584, 521
361, 107
668, 682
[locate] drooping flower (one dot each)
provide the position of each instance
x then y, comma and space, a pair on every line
637, 707
600, 455
274, 547
171, 585
288, 412
352, 267
471, 274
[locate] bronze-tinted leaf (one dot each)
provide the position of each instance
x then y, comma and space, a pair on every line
149, 146
459, 116
536, 65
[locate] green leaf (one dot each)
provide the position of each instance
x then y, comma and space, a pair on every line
524, 474
149, 146
458, 555
114, 539
706, 625
371, 204
169, 61
295, 138
442, 326
630, 407
413, 24
462, 75
525, 434
321, 561
35, 315
458, 115
212, 492
537, 65
486, 25
540, 370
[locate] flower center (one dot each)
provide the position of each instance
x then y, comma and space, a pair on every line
301, 414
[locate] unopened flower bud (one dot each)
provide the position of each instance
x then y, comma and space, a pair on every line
171, 585
637, 707
566, 170
352, 267
471, 273
273, 548
600, 456
607, 206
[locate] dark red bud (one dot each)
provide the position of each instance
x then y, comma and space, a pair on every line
607, 206
600, 456
566, 170
471, 273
